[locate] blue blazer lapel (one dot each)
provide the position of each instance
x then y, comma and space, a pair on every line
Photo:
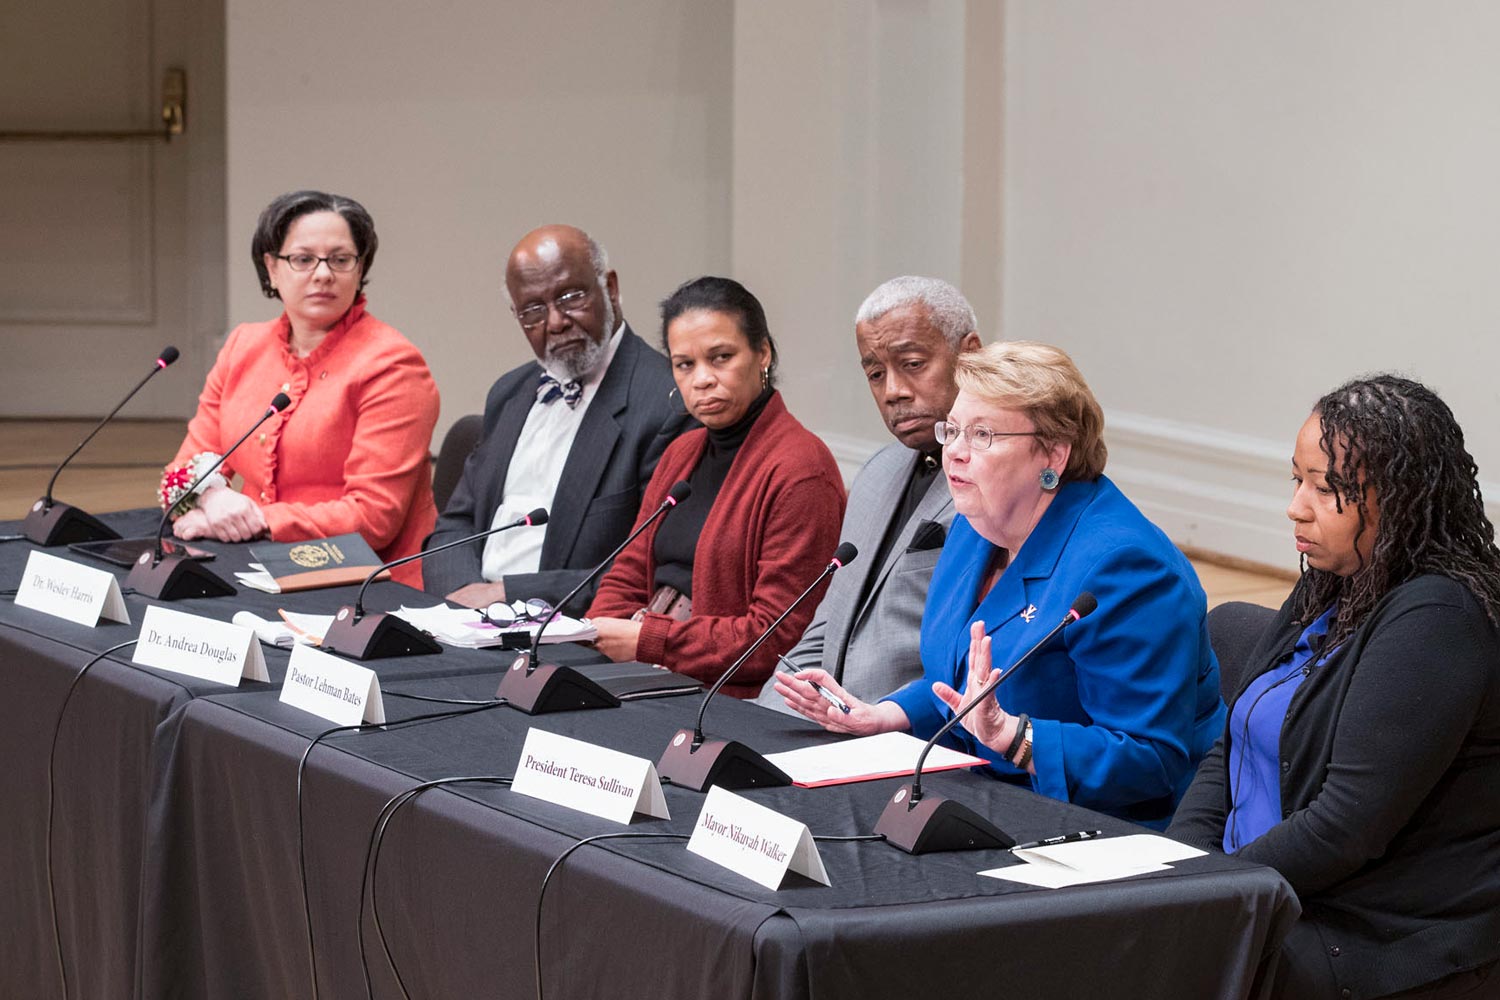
1011, 602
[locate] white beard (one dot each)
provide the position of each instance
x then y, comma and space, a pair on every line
579, 365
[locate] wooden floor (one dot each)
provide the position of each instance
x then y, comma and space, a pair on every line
121, 467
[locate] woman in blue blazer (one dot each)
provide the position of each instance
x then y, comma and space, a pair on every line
1114, 712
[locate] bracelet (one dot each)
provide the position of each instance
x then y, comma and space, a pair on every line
1022, 721
1024, 760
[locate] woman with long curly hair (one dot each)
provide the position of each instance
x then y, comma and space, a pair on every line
1362, 755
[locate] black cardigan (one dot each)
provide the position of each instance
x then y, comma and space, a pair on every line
1390, 790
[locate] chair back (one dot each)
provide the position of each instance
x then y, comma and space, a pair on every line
1234, 628
461, 439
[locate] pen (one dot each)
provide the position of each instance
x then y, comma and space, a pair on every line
1067, 838
831, 698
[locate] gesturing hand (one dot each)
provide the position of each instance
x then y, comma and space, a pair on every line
988, 722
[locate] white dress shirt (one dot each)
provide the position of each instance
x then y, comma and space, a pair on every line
535, 469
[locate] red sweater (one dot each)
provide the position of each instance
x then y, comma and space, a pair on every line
771, 531
348, 454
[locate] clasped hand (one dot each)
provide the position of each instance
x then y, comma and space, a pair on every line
225, 514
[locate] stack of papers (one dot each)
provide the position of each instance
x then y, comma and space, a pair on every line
258, 579
269, 632
467, 628
867, 758
454, 627
1097, 860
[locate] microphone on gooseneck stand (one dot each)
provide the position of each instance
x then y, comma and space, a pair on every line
173, 576
52, 523
690, 761
918, 823
369, 637
535, 687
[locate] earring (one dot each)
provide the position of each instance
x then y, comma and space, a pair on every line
1049, 479
765, 378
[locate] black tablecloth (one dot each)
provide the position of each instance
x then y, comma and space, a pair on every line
175, 845
460, 870
104, 759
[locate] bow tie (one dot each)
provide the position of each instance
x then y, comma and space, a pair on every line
550, 390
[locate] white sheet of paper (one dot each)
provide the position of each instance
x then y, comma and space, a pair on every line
331, 688
751, 840
865, 758
269, 632
1105, 853
259, 579
466, 627
1050, 876
592, 779
69, 590
199, 647
309, 628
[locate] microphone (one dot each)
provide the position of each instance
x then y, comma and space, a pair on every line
551, 687
918, 824
171, 577
51, 523
695, 763
379, 635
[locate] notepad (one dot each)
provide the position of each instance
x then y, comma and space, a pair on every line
865, 758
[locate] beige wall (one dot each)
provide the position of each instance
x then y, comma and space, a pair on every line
461, 126
1221, 209
1224, 210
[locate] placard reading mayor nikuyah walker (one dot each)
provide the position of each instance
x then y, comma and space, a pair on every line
756, 842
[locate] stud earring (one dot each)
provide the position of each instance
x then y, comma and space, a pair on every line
1049, 479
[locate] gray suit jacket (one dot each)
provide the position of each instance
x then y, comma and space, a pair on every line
629, 422
873, 646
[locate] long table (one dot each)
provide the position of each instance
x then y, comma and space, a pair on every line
177, 843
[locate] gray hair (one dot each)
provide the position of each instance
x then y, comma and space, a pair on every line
946, 306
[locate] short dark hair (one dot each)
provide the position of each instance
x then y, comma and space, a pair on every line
1401, 443
727, 296
270, 230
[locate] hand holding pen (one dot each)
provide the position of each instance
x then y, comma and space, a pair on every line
828, 695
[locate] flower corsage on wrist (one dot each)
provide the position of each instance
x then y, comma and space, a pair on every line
173, 494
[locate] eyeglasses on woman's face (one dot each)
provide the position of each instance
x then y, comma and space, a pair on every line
339, 263
978, 436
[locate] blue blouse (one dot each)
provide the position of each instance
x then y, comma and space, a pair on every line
1255, 738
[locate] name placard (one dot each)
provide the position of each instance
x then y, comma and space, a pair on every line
592, 779
66, 589
199, 647
331, 688
758, 843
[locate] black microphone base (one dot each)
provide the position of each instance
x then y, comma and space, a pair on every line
376, 636
63, 524
726, 763
173, 578
937, 824
550, 687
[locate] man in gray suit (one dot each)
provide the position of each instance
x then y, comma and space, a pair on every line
867, 631
577, 431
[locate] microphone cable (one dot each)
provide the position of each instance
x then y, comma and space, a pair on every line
641, 835
372, 863
62, 965
622, 835
415, 720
